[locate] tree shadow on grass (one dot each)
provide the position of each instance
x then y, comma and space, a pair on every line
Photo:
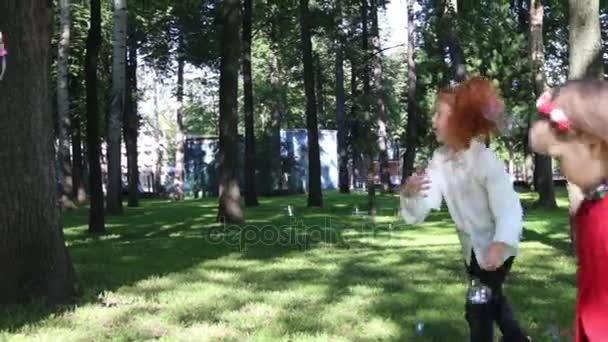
361, 271
158, 239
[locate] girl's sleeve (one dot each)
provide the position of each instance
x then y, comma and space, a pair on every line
414, 209
503, 199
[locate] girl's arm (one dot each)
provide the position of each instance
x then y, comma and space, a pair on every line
415, 208
504, 201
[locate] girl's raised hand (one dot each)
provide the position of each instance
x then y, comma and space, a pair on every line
416, 184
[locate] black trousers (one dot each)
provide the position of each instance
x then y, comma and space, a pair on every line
481, 317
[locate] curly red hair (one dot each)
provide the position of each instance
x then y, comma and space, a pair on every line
476, 109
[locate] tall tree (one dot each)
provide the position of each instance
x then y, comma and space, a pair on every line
339, 43
354, 124
277, 112
180, 136
380, 108
409, 156
78, 190
96, 212
522, 20
251, 196
584, 62
449, 13
63, 107
158, 135
229, 22
315, 197
585, 53
34, 260
543, 170
117, 109
365, 70
319, 89
366, 124
76, 91
131, 119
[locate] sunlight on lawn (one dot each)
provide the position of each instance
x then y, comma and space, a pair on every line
156, 275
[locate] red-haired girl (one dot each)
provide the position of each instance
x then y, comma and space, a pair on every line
479, 196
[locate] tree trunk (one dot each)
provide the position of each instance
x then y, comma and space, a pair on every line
33, 258
528, 165
79, 192
340, 103
353, 124
158, 170
365, 51
63, 108
543, 181
273, 180
117, 109
409, 156
319, 89
251, 195
380, 108
179, 138
585, 52
366, 133
371, 186
585, 61
315, 197
96, 217
158, 184
543, 170
229, 21
131, 122
451, 41
276, 118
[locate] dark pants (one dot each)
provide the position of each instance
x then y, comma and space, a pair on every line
481, 317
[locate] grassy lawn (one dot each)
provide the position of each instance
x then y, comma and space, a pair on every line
166, 272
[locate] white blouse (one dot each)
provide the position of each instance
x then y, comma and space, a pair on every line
479, 196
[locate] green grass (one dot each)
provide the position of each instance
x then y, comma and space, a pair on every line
159, 275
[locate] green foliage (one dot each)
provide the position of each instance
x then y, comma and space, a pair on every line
291, 90
395, 86
556, 37
431, 70
494, 45
79, 31
498, 50
165, 23
200, 113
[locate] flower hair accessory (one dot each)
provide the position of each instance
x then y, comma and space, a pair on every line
492, 110
547, 108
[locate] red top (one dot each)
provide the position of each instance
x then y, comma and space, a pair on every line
592, 275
